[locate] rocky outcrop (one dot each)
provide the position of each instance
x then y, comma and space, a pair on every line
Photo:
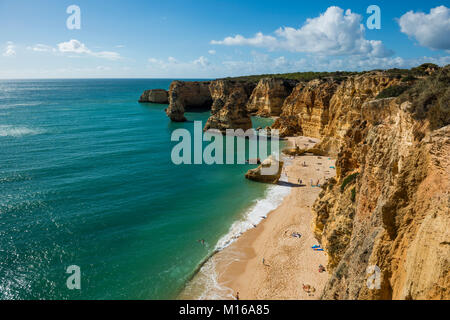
272, 174
187, 96
389, 204
268, 97
306, 110
345, 106
229, 110
326, 108
155, 96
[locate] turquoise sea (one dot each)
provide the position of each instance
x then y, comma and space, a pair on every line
86, 179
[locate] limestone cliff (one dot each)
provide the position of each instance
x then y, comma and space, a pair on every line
389, 205
326, 108
229, 110
306, 110
155, 96
187, 96
345, 106
269, 95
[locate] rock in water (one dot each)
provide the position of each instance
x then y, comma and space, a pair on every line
155, 96
259, 176
187, 96
229, 110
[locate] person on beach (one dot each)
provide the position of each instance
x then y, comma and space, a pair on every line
237, 295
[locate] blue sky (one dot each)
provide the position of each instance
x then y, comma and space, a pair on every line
207, 39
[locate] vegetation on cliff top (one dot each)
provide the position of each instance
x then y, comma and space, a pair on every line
299, 76
404, 74
393, 91
430, 98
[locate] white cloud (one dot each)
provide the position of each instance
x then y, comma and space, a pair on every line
42, 48
103, 68
430, 30
212, 52
334, 32
172, 60
10, 50
202, 61
262, 64
75, 46
259, 40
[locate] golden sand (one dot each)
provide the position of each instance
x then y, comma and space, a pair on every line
267, 262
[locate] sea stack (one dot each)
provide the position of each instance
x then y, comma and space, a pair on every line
229, 110
155, 96
187, 96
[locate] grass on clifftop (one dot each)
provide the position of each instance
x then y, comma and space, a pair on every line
393, 91
299, 76
404, 74
430, 98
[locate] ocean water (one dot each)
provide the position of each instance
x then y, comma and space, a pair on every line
86, 179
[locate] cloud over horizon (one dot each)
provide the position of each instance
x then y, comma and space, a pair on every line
10, 49
75, 46
430, 30
333, 33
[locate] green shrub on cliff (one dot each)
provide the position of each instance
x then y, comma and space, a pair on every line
353, 197
424, 69
299, 76
430, 98
393, 91
348, 180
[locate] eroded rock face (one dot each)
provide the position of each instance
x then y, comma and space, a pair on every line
306, 110
268, 97
187, 96
345, 106
229, 110
326, 109
395, 214
155, 96
259, 175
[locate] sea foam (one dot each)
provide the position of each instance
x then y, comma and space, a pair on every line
207, 277
16, 131
274, 196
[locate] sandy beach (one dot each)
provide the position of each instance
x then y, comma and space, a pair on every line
268, 262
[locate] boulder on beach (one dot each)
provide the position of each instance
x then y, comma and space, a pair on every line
268, 172
155, 96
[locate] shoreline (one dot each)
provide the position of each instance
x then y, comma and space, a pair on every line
288, 262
